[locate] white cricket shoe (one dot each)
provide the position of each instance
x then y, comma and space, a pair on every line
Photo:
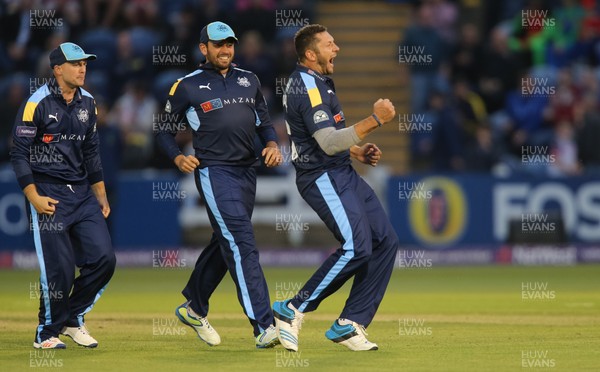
289, 322
50, 343
267, 339
350, 334
80, 335
198, 323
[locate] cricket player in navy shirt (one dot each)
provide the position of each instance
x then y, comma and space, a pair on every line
57, 163
225, 108
322, 147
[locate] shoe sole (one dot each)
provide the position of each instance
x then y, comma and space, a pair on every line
270, 345
182, 320
39, 346
371, 349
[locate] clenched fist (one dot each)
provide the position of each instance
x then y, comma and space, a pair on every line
384, 109
186, 164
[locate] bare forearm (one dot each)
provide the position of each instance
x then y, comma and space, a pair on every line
30, 191
383, 112
99, 190
365, 126
355, 151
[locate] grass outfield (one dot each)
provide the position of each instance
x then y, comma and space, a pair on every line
451, 319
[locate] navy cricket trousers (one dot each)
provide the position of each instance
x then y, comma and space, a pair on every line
352, 211
76, 235
229, 193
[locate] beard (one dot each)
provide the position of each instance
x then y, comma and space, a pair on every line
326, 68
218, 63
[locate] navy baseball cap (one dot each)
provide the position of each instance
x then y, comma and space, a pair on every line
216, 31
68, 52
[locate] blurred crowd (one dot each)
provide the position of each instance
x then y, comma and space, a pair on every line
143, 46
516, 93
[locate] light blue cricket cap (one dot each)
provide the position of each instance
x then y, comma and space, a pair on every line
68, 52
216, 31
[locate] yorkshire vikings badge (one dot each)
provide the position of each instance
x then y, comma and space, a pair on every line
83, 115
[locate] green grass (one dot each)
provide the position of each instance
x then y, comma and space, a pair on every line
469, 319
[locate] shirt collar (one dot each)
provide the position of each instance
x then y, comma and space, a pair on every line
326, 79
312, 72
209, 66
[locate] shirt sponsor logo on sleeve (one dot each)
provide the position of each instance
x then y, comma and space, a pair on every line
213, 104
50, 138
24, 131
339, 117
320, 116
168, 106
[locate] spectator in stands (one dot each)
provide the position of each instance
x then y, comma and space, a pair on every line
499, 71
183, 28
422, 141
483, 154
140, 13
529, 35
134, 56
210, 10
22, 37
286, 56
526, 113
564, 149
468, 54
134, 114
470, 108
588, 45
563, 36
444, 15
257, 15
562, 104
102, 13
421, 40
253, 57
448, 136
